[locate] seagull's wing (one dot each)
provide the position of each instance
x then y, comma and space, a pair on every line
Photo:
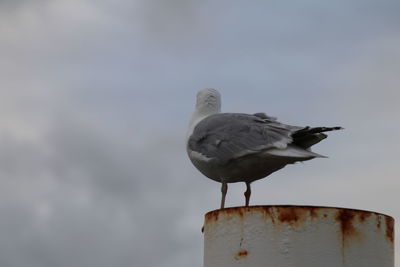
227, 136
264, 116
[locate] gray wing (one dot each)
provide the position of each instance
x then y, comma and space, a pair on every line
262, 115
226, 136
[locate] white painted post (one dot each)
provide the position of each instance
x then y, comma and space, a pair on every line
297, 236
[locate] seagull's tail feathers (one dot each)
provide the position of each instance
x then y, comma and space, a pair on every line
294, 152
312, 130
308, 136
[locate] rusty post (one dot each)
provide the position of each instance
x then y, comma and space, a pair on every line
283, 236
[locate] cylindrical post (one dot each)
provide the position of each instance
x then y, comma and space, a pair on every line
301, 236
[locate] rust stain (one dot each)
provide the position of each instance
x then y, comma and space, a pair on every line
241, 214
234, 211
314, 213
299, 214
292, 215
345, 219
212, 216
241, 254
378, 221
364, 216
389, 228
267, 212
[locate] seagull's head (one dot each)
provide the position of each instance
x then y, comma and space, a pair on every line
208, 101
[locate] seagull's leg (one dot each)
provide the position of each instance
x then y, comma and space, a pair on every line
224, 189
247, 193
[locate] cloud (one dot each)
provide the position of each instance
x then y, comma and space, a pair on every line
87, 197
95, 98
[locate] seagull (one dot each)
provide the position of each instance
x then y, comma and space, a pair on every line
238, 147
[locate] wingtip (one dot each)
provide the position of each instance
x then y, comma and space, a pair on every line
319, 155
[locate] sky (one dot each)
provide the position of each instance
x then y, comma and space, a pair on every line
96, 97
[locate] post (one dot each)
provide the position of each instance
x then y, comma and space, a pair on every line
297, 236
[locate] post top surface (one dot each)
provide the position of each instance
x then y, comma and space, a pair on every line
311, 209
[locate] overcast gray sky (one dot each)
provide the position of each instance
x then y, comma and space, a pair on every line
96, 96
